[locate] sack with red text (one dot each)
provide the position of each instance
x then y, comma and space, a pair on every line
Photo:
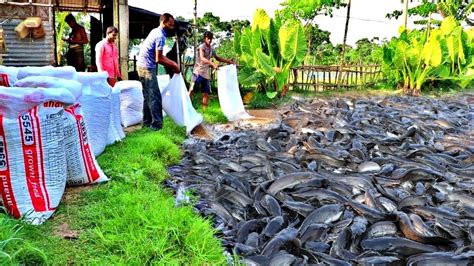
82, 168
32, 162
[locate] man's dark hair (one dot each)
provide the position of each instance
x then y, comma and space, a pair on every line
70, 18
111, 29
166, 17
208, 34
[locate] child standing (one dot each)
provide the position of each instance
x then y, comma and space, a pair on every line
201, 73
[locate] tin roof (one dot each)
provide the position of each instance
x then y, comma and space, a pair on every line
79, 5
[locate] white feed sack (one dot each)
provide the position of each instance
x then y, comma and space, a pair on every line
131, 102
96, 102
67, 72
115, 129
229, 94
33, 162
74, 87
177, 104
16, 101
82, 168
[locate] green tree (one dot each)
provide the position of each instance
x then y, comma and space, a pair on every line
316, 37
460, 10
239, 25
307, 10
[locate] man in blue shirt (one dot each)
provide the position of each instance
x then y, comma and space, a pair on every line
151, 53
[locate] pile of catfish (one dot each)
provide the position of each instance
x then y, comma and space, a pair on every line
379, 181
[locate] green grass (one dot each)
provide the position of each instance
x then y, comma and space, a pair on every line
130, 220
213, 113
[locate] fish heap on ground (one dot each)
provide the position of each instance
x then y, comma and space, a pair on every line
343, 181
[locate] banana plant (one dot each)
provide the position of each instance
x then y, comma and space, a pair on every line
268, 50
445, 53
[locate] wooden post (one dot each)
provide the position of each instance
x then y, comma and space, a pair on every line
195, 32
121, 20
405, 13
343, 52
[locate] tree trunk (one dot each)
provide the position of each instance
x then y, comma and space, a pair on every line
405, 13
346, 28
343, 52
284, 91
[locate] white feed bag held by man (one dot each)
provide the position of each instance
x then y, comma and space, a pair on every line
115, 131
229, 94
33, 162
96, 102
82, 168
177, 104
163, 81
131, 102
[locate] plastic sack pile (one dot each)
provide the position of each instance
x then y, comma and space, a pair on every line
47, 140
54, 122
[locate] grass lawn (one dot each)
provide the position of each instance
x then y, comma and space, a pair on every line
131, 219
213, 113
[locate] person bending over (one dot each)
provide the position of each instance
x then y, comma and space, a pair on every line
151, 53
201, 72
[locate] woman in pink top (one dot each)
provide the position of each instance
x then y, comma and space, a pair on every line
107, 56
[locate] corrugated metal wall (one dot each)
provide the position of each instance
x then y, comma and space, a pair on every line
29, 51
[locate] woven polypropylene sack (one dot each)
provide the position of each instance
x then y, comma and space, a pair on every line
178, 105
96, 102
33, 162
131, 102
15, 101
82, 168
229, 94
67, 72
73, 86
115, 131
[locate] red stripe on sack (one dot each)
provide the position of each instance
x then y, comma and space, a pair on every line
72, 111
30, 157
86, 152
5, 177
4, 80
92, 173
41, 162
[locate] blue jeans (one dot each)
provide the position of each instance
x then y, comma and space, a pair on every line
152, 108
202, 82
